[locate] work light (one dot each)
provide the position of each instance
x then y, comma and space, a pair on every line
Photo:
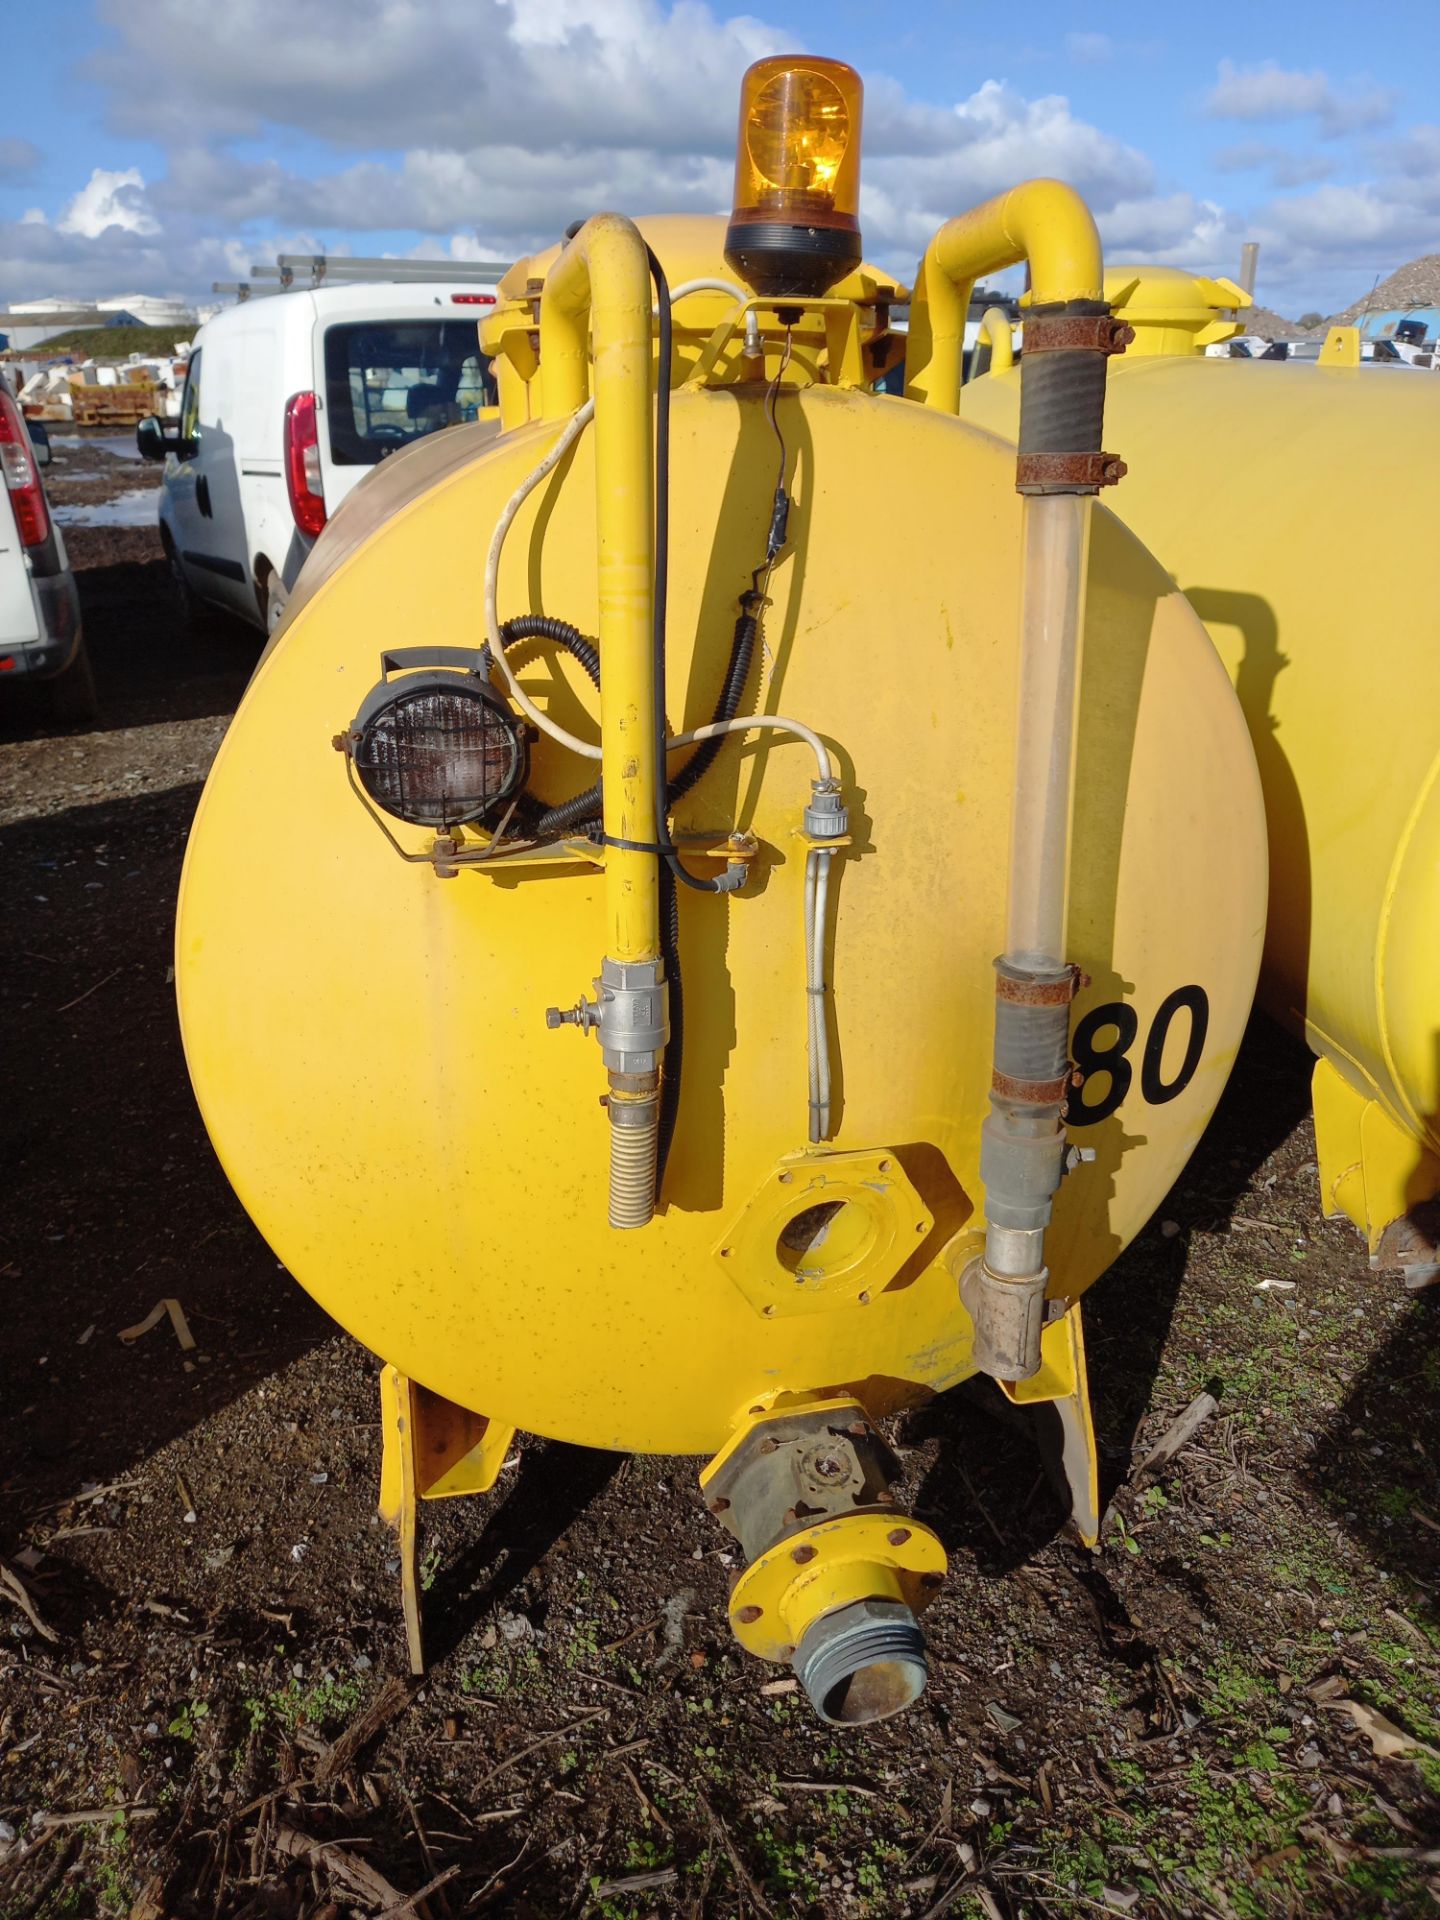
794, 227
437, 746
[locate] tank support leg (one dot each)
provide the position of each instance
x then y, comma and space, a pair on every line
1062, 1383
433, 1450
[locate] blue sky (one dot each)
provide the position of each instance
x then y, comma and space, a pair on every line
157, 145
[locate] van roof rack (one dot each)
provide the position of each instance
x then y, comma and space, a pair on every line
334, 270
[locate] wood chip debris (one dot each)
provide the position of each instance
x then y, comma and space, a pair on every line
152, 1319
1179, 1433
13, 1589
392, 1700
636, 1883
346, 1871
1389, 1741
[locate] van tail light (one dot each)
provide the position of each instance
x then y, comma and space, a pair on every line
302, 463
22, 479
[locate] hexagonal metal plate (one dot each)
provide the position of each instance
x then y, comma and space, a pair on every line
825, 1230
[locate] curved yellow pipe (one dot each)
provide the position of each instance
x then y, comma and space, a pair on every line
1044, 222
996, 328
600, 286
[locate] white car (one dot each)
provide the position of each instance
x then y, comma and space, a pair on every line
289, 401
41, 638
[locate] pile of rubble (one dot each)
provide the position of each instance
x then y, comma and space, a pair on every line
1416, 284
1274, 326
104, 393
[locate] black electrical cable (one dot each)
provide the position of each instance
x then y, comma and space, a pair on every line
543, 626
675, 1046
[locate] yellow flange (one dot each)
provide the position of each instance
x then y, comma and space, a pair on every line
825, 1230
860, 1556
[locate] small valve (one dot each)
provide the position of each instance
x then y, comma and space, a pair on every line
1078, 1157
585, 1014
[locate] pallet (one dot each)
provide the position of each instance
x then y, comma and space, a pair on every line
111, 406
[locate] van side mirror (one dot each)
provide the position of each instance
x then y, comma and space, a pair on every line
154, 442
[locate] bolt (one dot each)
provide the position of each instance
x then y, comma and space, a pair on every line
768, 1445
747, 1616
897, 1536
801, 1554
829, 1466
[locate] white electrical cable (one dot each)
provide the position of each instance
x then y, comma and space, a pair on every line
777, 721
572, 431
705, 285
811, 1000
822, 858
576, 424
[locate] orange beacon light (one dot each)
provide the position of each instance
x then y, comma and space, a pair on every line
795, 223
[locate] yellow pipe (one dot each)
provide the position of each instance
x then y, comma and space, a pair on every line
601, 284
1044, 222
995, 327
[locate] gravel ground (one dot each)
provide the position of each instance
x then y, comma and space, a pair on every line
1230, 1709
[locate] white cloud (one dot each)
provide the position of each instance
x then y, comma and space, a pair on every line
109, 200
480, 128
1270, 92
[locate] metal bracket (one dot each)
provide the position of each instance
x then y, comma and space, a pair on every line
431, 1450
1062, 1382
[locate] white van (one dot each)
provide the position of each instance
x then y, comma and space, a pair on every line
289, 401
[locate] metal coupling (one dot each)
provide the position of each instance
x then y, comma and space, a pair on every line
863, 1662
1023, 1159
1008, 1312
826, 816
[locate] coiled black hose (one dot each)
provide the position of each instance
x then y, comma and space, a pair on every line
584, 808
542, 626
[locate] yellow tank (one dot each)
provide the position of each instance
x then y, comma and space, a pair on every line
365, 1002
1292, 503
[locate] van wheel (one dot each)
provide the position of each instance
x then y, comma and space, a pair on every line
72, 694
276, 601
193, 611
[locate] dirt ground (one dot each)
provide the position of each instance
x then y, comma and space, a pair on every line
1230, 1709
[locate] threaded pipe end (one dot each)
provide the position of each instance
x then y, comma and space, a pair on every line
863, 1662
634, 1143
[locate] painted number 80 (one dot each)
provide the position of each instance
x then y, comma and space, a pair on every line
1111, 1060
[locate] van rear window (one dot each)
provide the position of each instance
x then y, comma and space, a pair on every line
388, 382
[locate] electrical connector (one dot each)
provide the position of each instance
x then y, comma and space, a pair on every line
826, 817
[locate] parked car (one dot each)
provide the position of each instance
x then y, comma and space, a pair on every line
1377, 353
1240, 346
289, 401
41, 638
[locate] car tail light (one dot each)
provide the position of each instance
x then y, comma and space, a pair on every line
22, 479
302, 463
473, 299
